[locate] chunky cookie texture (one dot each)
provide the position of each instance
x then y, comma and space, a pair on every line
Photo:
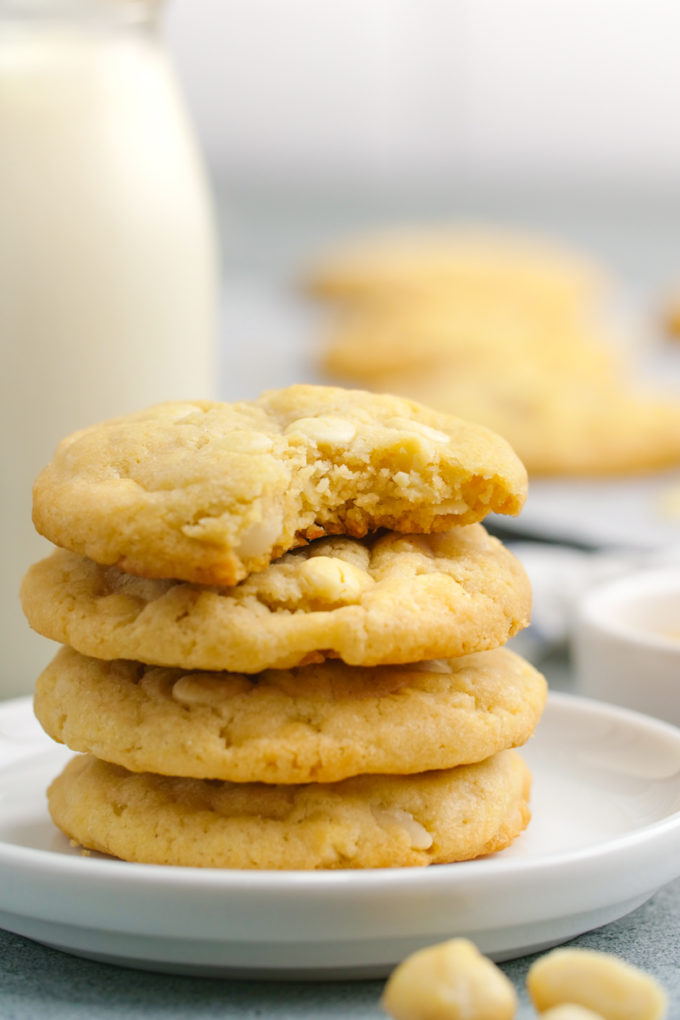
385, 599
363, 822
209, 492
320, 723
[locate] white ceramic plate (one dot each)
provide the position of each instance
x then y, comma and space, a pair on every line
605, 836
635, 513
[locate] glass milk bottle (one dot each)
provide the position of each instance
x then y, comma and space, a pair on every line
108, 262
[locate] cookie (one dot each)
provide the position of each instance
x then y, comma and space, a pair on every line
444, 334
519, 271
364, 822
384, 599
209, 492
321, 723
566, 423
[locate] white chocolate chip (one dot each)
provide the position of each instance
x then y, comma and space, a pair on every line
419, 428
599, 981
394, 817
334, 580
433, 666
243, 441
325, 429
449, 981
260, 537
256, 539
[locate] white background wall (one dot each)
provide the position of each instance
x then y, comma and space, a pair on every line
364, 89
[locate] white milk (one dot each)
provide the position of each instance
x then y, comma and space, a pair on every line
108, 268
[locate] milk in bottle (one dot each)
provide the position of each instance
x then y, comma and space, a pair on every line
108, 267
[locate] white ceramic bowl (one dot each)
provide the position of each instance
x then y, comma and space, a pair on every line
626, 642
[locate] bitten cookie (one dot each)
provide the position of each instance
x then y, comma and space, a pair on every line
317, 724
209, 492
364, 822
387, 599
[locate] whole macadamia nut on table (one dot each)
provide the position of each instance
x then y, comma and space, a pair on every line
598, 981
449, 981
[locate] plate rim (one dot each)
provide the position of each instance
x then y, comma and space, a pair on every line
227, 912
494, 867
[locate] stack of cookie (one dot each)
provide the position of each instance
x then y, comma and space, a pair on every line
283, 630
503, 330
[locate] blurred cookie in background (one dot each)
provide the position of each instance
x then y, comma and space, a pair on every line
513, 333
470, 263
559, 423
379, 341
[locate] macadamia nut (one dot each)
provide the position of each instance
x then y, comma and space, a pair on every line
449, 981
569, 1011
598, 981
